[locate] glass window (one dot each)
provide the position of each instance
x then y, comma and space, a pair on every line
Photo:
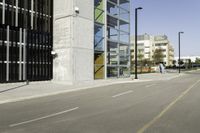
124, 49
124, 14
113, 1
112, 22
124, 37
123, 26
98, 30
124, 4
112, 47
112, 34
112, 9
118, 33
99, 39
160, 44
98, 58
124, 60
99, 71
112, 72
112, 59
98, 4
124, 72
99, 15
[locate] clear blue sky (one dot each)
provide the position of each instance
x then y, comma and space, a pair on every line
169, 17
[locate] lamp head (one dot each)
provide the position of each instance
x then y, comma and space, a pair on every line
139, 8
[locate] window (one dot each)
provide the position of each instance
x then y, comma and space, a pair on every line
99, 39
160, 44
124, 14
112, 72
112, 47
98, 11
124, 37
112, 34
112, 9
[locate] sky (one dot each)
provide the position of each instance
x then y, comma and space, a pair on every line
159, 17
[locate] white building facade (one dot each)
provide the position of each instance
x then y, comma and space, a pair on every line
147, 45
162, 42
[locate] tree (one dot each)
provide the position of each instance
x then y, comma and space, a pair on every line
174, 63
144, 62
132, 61
140, 60
140, 56
181, 62
158, 56
197, 61
147, 63
190, 64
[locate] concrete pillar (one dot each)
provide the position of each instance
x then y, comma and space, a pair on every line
73, 40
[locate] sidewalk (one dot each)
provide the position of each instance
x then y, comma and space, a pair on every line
20, 91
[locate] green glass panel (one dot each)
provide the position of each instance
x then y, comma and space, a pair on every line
99, 16
99, 4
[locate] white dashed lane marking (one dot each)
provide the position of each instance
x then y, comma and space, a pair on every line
121, 94
44, 117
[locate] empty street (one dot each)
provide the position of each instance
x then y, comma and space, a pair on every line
165, 106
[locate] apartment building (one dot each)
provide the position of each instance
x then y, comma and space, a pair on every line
147, 44
64, 40
162, 42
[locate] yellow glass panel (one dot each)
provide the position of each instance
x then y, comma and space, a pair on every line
99, 71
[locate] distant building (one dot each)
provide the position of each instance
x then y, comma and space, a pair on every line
162, 42
187, 61
147, 44
184, 58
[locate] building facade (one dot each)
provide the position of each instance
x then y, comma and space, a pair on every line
26, 40
92, 36
112, 38
147, 44
162, 42
64, 40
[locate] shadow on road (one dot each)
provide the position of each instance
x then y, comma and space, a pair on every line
13, 88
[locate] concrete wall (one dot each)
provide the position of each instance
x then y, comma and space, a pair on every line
73, 40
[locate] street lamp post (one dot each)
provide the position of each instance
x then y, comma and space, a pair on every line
136, 10
179, 49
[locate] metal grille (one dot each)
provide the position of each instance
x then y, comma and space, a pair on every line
26, 40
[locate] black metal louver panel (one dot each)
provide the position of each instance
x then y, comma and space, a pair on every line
26, 40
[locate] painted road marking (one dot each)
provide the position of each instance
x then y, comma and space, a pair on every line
147, 86
44, 117
155, 119
120, 94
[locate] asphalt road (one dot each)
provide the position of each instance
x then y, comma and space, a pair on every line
170, 106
